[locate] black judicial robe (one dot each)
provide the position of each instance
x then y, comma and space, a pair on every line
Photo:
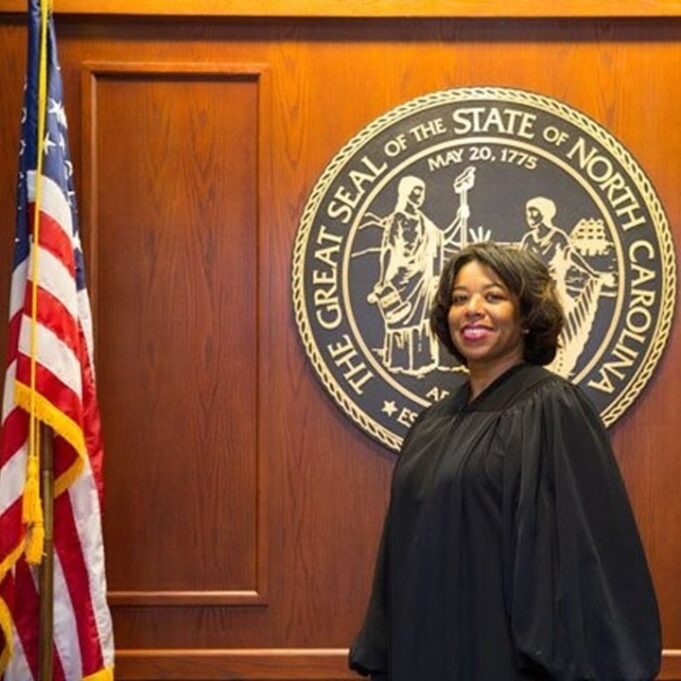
510, 550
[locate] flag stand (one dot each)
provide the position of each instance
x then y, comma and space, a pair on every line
46, 572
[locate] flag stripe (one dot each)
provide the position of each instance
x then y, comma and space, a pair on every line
7, 634
13, 338
52, 315
54, 276
53, 201
54, 241
18, 288
26, 616
67, 544
92, 425
53, 356
66, 638
85, 319
85, 502
8, 404
18, 667
26, 593
16, 435
13, 476
10, 525
59, 394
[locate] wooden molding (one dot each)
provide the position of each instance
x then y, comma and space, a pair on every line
186, 598
257, 664
671, 665
260, 664
365, 8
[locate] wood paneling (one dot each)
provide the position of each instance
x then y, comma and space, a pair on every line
174, 253
192, 168
671, 666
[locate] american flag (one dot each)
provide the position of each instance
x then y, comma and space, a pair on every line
64, 398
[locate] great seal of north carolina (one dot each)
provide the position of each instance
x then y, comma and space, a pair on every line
475, 164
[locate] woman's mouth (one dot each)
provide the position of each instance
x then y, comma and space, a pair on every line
475, 333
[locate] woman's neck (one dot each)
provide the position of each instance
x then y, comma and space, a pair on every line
482, 375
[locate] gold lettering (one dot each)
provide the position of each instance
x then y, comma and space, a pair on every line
623, 358
353, 368
329, 317
464, 124
325, 296
344, 200
406, 417
375, 170
507, 121
340, 211
643, 274
326, 255
636, 313
599, 169
444, 160
638, 320
637, 245
436, 394
424, 131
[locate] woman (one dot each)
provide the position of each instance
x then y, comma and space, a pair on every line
509, 549
410, 252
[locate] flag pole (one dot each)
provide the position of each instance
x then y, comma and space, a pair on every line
44, 434
46, 573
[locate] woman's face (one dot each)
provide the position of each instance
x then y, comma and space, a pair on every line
416, 196
484, 321
534, 217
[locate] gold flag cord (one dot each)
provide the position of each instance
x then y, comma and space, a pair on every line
32, 510
41, 517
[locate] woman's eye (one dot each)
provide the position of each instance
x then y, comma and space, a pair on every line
459, 300
495, 297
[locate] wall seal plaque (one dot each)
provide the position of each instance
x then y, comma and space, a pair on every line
475, 164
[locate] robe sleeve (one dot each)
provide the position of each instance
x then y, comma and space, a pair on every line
369, 651
579, 596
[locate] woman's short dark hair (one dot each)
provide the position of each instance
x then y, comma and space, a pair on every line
527, 278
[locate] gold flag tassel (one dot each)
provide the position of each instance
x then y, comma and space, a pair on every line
32, 512
32, 508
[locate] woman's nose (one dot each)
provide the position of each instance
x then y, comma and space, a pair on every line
474, 305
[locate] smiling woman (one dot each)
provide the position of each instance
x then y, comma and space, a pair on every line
484, 324
509, 528
496, 307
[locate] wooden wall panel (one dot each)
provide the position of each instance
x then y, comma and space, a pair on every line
192, 180
172, 206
